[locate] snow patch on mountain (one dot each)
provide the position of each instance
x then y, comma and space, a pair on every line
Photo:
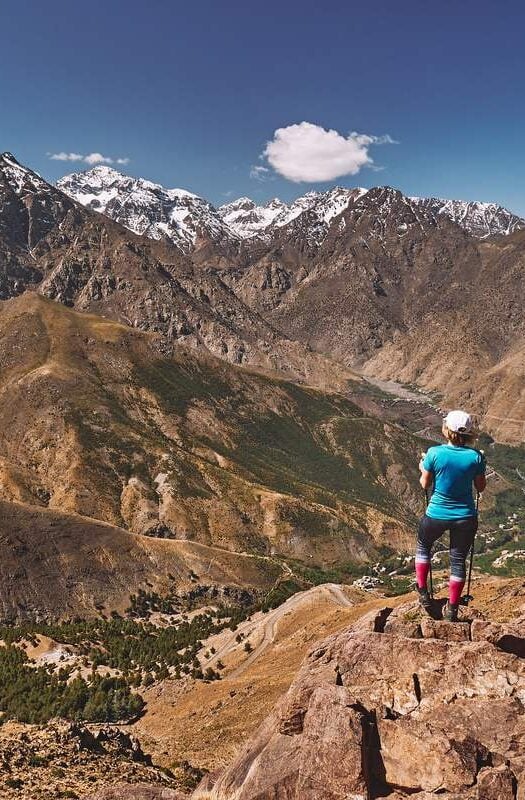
147, 208
477, 218
249, 220
19, 178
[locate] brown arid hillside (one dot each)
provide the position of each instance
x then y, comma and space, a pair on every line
402, 294
388, 286
95, 421
50, 244
59, 566
472, 351
381, 268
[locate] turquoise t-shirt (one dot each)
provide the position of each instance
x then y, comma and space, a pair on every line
454, 469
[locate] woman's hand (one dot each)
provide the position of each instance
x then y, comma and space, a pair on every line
425, 479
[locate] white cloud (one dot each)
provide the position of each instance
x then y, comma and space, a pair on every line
97, 158
90, 158
65, 156
308, 152
259, 173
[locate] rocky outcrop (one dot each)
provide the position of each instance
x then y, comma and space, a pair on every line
123, 791
64, 759
430, 710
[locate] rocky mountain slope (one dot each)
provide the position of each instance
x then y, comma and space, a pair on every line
382, 265
393, 706
96, 421
263, 222
407, 295
61, 566
387, 284
67, 760
478, 219
53, 245
470, 347
186, 219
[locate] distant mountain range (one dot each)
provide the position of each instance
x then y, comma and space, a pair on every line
68, 253
183, 218
401, 288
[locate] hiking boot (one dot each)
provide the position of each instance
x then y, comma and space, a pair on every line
450, 612
425, 601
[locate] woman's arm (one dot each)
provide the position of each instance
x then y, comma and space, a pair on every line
426, 478
480, 483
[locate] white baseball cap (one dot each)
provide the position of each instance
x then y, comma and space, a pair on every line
459, 421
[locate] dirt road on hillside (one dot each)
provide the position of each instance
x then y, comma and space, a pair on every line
269, 622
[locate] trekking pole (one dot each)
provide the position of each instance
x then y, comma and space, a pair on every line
431, 582
430, 578
468, 597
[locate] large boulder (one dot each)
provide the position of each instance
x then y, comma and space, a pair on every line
294, 752
396, 706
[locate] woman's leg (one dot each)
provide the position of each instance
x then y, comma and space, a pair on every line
429, 531
462, 533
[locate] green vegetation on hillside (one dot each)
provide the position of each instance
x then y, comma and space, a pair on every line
500, 546
127, 645
34, 694
507, 460
138, 651
307, 444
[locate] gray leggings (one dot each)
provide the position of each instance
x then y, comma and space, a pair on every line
462, 533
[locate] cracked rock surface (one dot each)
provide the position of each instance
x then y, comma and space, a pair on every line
399, 705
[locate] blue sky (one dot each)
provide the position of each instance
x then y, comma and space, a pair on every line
191, 93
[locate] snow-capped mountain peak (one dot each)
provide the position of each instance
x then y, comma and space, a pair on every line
145, 207
249, 220
274, 203
18, 177
183, 217
478, 218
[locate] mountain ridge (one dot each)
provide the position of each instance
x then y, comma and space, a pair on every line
147, 208
150, 209
315, 302
52, 244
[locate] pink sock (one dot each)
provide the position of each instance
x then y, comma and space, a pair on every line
454, 591
422, 570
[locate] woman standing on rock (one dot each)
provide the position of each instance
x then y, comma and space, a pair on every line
452, 468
